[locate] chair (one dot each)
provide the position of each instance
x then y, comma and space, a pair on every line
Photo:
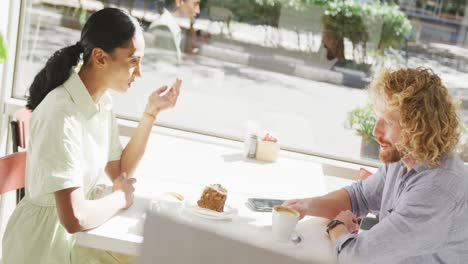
19, 133
20, 128
12, 173
169, 240
364, 174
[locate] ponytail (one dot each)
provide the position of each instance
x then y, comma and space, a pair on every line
56, 71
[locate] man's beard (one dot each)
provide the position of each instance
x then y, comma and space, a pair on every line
390, 154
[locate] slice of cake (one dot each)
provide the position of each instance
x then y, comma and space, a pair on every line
213, 198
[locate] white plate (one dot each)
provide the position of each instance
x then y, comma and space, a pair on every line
192, 207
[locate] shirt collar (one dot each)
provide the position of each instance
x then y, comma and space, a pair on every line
418, 168
81, 97
421, 166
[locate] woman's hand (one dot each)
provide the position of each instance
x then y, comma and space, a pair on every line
159, 100
125, 185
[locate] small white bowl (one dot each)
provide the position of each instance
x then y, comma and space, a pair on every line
167, 202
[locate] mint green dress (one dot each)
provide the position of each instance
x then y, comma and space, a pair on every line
70, 143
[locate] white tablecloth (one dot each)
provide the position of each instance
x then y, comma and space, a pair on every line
185, 166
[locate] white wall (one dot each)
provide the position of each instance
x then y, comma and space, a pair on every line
5, 200
4, 7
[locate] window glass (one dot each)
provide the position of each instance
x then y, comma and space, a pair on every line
295, 68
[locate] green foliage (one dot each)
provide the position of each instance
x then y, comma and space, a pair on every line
383, 24
362, 120
291, 3
262, 11
355, 21
345, 19
3, 51
396, 27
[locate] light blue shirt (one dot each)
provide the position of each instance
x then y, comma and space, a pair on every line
423, 215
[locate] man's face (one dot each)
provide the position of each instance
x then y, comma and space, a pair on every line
190, 8
387, 132
125, 64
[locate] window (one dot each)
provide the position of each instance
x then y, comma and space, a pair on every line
296, 68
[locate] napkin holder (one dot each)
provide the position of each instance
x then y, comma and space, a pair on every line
267, 151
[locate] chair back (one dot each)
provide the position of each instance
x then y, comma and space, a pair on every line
170, 240
22, 118
19, 137
12, 172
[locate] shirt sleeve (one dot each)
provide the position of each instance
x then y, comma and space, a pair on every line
366, 195
54, 160
115, 147
418, 225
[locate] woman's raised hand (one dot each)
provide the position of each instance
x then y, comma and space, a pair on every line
163, 98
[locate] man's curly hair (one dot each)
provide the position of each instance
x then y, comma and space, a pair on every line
428, 118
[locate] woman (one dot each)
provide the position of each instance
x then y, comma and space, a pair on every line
74, 140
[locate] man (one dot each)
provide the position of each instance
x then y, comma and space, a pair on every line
420, 194
184, 9
187, 8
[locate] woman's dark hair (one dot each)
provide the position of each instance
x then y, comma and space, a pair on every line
107, 29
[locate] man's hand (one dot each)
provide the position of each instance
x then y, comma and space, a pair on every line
300, 205
350, 221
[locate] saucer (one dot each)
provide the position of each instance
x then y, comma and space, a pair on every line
193, 208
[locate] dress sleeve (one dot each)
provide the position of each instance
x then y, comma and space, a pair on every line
54, 160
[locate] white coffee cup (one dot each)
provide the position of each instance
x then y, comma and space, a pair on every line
283, 223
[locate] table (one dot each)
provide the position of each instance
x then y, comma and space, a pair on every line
178, 164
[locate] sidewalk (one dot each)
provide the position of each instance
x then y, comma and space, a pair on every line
279, 50
265, 59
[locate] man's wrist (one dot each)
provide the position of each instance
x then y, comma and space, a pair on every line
332, 224
337, 232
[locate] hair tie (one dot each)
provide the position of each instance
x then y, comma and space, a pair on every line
78, 47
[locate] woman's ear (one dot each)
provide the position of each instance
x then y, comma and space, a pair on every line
178, 2
98, 57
